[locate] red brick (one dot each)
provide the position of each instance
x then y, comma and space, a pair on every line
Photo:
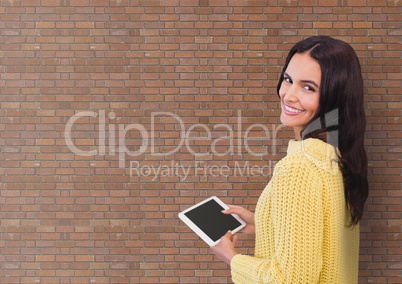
71, 218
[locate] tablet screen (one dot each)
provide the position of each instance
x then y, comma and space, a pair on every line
209, 218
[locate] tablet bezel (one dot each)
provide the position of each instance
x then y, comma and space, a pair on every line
198, 231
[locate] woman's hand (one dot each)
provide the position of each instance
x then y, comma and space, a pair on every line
225, 250
246, 215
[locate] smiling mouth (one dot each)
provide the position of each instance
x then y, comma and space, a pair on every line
292, 110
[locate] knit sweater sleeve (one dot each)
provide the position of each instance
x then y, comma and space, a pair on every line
296, 213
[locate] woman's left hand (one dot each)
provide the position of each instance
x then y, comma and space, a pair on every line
225, 250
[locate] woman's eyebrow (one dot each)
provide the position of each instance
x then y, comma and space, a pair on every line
285, 74
311, 82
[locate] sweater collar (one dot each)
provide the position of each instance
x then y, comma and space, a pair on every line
321, 154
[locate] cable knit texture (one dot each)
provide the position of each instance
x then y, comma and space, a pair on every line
301, 223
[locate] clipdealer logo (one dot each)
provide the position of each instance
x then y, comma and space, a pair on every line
199, 168
112, 140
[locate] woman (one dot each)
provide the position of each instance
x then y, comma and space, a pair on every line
306, 219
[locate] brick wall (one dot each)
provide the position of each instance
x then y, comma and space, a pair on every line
98, 96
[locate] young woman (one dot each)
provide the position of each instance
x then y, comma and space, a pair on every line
306, 219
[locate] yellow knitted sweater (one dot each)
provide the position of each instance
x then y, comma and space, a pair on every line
300, 223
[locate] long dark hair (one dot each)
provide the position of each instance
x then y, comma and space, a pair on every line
340, 118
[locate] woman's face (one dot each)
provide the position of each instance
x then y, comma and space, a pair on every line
299, 92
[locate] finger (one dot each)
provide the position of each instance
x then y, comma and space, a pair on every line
227, 237
234, 206
234, 239
228, 234
226, 211
232, 209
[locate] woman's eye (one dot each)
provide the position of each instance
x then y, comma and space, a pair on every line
308, 88
287, 80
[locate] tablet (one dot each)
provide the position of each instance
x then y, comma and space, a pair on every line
208, 222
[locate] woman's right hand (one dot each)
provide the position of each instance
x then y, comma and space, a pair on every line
246, 215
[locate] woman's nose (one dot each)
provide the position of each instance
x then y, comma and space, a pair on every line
290, 94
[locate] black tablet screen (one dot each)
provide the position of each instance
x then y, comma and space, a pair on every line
209, 218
